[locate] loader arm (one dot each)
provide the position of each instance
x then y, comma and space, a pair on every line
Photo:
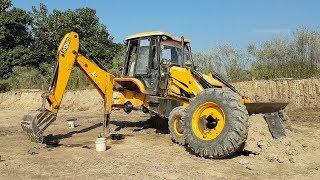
68, 56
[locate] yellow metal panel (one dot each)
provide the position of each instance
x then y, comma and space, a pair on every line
211, 80
174, 88
95, 74
245, 99
136, 99
136, 81
101, 79
183, 78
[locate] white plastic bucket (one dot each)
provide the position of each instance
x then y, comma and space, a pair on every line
71, 124
101, 144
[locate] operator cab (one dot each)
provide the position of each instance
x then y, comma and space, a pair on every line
149, 56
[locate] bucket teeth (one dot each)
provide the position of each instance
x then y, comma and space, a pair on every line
34, 126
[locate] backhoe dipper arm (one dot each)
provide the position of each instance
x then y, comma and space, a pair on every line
67, 57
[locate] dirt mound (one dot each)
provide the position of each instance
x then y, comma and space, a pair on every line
302, 93
293, 148
31, 100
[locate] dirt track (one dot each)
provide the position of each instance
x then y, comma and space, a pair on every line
147, 152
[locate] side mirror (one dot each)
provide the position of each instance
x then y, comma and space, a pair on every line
188, 63
196, 68
165, 63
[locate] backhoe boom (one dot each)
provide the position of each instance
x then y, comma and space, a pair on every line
67, 57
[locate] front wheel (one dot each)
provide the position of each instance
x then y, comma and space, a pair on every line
175, 125
215, 124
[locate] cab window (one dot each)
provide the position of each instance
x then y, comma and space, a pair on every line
143, 57
172, 51
138, 57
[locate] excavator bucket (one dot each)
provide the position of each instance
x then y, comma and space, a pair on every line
34, 126
273, 114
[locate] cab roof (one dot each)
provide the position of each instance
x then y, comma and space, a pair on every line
154, 33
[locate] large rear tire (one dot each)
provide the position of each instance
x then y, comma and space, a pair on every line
216, 124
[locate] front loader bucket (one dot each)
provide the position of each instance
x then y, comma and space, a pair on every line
264, 107
273, 114
34, 126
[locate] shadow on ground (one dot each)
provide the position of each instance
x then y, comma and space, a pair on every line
52, 138
242, 152
160, 125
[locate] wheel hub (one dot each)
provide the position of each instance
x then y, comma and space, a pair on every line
208, 121
178, 126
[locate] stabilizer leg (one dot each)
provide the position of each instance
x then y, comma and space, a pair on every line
106, 122
274, 121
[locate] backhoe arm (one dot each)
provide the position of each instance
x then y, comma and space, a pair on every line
67, 57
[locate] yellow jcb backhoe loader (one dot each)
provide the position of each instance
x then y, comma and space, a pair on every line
204, 111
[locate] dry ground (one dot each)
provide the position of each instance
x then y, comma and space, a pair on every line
147, 152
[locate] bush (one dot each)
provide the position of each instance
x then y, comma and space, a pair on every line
225, 60
296, 57
4, 87
26, 77
78, 80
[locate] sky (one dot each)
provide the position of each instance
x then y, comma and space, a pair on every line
207, 23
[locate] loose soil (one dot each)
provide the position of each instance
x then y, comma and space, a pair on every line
147, 151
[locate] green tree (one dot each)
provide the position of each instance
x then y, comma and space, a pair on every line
295, 57
15, 38
225, 60
49, 28
4, 5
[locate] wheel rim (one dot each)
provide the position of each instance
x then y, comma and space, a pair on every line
177, 126
208, 121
